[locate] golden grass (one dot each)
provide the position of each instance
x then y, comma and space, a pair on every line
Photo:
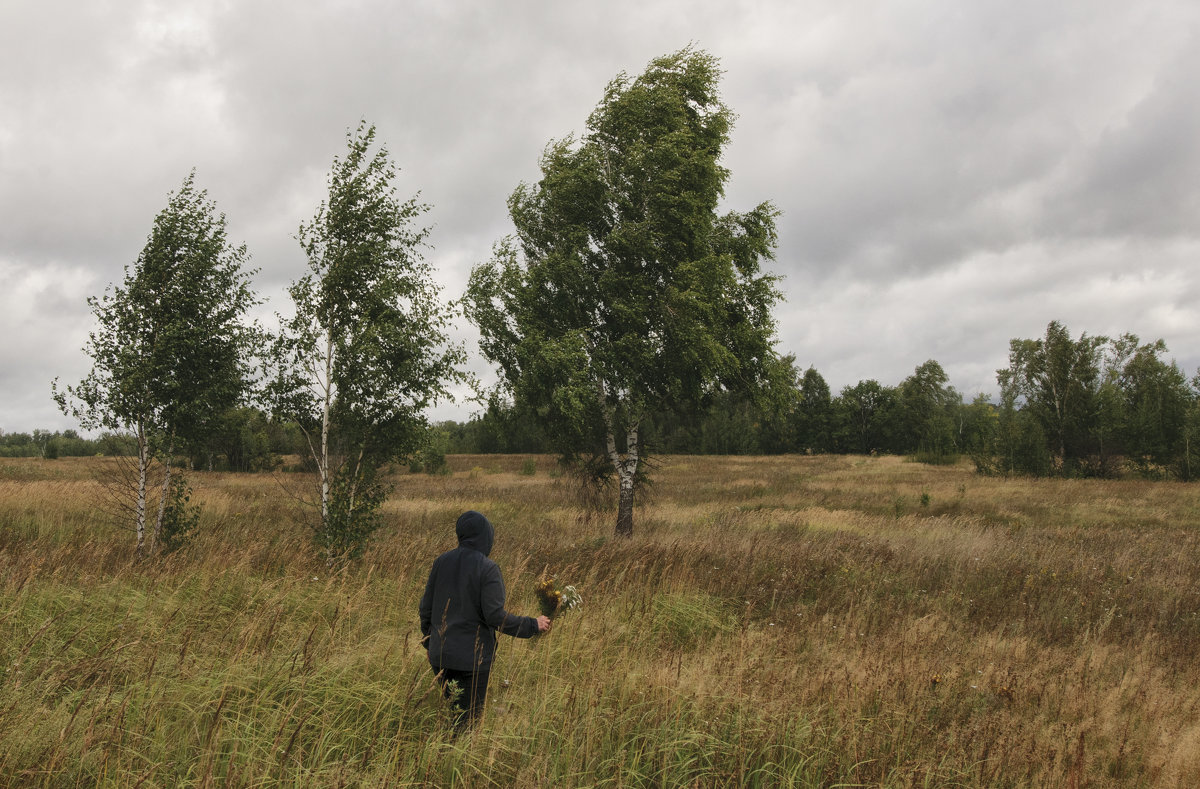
804, 621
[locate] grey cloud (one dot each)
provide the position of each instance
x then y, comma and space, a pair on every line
1143, 174
952, 175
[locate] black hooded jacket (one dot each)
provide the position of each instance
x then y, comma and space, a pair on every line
463, 604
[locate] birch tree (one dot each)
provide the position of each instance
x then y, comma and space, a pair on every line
366, 351
1145, 405
172, 347
928, 411
624, 291
814, 415
1058, 379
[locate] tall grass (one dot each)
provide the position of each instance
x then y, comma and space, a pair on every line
786, 621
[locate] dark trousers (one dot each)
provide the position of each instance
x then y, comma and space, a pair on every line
465, 695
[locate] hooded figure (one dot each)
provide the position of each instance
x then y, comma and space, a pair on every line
461, 610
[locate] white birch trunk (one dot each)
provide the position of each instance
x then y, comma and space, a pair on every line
625, 464
357, 469
323, 460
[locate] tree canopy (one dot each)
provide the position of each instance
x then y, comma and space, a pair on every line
625, 291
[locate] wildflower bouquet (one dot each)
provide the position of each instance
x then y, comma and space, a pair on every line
553, 599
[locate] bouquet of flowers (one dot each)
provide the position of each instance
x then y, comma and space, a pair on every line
553, 598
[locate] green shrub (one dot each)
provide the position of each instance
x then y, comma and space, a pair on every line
180, 517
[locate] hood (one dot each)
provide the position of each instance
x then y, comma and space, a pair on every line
475, 531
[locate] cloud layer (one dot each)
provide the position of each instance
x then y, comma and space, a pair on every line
951, 175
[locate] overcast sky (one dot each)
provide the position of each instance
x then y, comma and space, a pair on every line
951, 174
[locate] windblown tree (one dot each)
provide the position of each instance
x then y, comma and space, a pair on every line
1057, 382
865, 417
1146, 405
172, 349
929, 413
774, 426
625, 292
814, 413
366, 351
1094, 406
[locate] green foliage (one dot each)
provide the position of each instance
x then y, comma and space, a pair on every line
172, 350
502, 426
240, 440
977, 423
180, 516
1058, 379
431, 458
1091, 406
117, 444
624, 292
355, 496
1007, 440
814, 413
1187, 464
730, 424
366, 351
47, 444
929, 410
1145, 407
864, 417
1143, 417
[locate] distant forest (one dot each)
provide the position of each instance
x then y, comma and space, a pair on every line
1091, 406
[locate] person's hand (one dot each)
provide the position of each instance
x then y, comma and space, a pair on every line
543, 624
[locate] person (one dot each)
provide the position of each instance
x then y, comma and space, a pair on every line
461, 610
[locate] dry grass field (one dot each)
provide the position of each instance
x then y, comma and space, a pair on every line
781, 621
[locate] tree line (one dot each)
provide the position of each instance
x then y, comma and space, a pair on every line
1087, 406
1118, 406
55, 443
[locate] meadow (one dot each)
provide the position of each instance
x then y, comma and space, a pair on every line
775, 621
